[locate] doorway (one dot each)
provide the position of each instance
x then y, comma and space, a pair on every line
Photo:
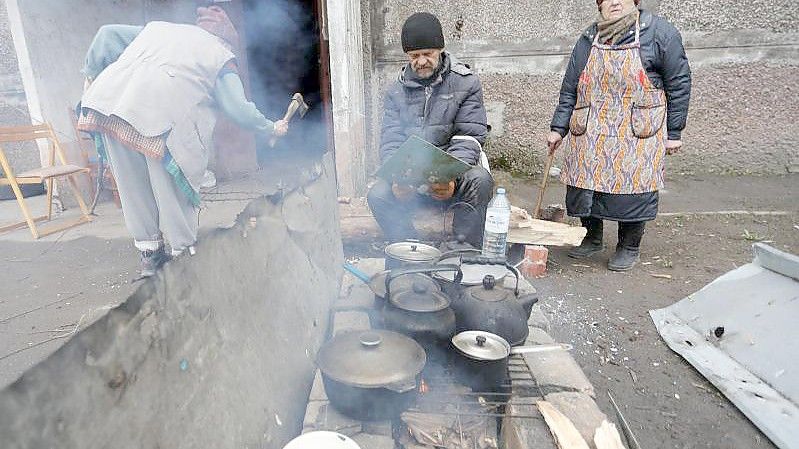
285, 54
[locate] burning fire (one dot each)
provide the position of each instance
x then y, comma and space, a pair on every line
423, 387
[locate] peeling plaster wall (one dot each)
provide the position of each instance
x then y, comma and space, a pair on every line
217, 351
13, 103
57, 67
743, 55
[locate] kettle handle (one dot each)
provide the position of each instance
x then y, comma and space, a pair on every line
393, 274
518, 275
495, 261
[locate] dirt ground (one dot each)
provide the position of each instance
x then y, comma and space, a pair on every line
52, 288
605, 315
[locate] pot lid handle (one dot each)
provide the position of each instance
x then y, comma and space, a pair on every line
489, 282
481, 340
420, 288
370, 339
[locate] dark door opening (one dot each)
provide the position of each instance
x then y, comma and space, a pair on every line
285, 55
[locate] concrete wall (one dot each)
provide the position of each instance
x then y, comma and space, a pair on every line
58, 33
13, 103
217, 351
744, 57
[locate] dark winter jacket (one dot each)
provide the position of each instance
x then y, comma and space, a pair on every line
448, 112
664, 60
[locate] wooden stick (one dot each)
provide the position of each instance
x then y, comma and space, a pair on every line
543, 188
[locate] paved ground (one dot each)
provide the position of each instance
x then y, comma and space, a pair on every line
62, 283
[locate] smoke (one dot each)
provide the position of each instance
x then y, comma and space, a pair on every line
282, 47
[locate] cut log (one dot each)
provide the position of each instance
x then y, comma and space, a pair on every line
607, 437
566, 435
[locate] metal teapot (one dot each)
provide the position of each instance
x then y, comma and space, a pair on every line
492, 307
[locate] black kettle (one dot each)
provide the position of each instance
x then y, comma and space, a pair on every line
491, 307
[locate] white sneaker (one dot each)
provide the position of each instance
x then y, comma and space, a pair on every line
209, 180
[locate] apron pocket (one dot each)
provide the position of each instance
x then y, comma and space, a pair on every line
579, 120
646, 120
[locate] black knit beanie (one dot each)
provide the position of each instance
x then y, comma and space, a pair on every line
422, 30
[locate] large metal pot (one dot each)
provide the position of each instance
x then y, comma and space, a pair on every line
371, 375
482, 359
410, 253
493, 308
417, 307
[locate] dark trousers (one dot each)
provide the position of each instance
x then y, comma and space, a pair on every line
473, 191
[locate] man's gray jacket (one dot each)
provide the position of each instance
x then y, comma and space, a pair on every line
448, 112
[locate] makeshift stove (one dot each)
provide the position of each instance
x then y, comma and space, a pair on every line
448, 414
444, 412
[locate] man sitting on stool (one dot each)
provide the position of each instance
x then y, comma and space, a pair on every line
439, 99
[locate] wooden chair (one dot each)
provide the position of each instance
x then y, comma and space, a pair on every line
47, 174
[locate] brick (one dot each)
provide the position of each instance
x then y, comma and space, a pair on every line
350, 321
538, 319
525, 433
320, 415
557, 371
318, 388
536, 253
533, 269
369, 441
581, 409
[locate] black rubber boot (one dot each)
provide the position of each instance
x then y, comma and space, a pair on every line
627, 249
592, 242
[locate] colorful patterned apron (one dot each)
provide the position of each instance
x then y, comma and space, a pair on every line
618, 138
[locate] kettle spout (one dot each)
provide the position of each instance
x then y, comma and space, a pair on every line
527, 301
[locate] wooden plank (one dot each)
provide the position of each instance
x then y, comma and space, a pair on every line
607, 437
21, 224
563, 430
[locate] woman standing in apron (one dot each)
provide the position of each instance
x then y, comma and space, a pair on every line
624, 100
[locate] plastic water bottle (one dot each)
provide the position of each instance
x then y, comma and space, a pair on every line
497, 223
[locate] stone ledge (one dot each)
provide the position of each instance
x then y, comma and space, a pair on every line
555, 371
350, 321
539, 336
320, 415
538, 319
525, 433
369, 441
357, 297
318, 388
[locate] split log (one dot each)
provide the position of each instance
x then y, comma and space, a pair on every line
566, 435
607, 437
